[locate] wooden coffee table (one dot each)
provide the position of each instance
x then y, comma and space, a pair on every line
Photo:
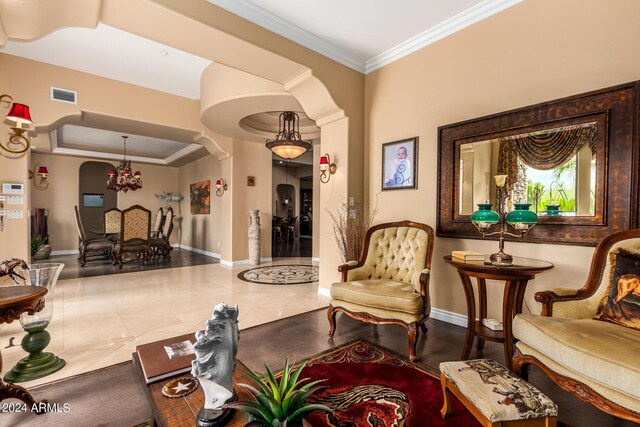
182, 411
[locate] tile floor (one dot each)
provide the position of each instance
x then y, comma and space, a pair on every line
99, 321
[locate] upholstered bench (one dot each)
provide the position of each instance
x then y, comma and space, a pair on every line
494, 395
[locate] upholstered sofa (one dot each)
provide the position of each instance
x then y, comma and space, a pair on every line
596, 360
390, 282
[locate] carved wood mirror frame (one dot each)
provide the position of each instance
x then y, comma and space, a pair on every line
615, 111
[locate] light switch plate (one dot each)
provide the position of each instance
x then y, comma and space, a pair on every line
15, 214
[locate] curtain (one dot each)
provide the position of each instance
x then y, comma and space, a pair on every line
543, 150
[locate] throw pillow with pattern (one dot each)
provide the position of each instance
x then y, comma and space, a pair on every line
621, 305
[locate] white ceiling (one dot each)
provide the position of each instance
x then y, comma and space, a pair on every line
109, 52
364, 34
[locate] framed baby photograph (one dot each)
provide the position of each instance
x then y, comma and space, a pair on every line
399, 164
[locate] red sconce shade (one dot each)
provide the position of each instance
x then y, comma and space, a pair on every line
111, 172
42, 170
137, 174
219, 183
324, 163
19, 113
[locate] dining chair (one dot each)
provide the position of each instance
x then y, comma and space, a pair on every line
98, 247
276, 226
291, 227
112, 223
161, 245
158, 222
135, 235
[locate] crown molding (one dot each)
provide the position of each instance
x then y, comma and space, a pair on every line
113, 156
265, 19
182, 152
259, 16
456, 23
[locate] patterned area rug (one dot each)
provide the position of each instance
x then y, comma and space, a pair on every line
281, 275
371, 386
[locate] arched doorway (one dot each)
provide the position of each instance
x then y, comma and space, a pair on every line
93, 197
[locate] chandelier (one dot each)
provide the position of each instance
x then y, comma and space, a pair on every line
288, 143
121, 178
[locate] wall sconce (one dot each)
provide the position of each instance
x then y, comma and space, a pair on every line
43, 173
19, 113
326, 166
221, 187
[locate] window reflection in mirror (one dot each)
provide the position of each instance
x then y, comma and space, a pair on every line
553, 170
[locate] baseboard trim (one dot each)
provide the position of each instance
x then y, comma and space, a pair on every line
242, 262
449, 317
324, 291
199, 251
65, 252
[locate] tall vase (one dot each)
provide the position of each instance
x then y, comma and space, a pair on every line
38, 363
254, 237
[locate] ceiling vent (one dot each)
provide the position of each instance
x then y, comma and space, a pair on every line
64, 95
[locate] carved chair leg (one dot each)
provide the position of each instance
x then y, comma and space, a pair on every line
520, 368
412, 329
331, 314
423, 328
446, 406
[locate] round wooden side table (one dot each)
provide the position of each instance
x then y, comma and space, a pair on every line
515, 277
15, 300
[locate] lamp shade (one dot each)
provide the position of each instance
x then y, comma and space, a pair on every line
218, 183
19, 113
288, 151
42, 170
522, 215
324, 163
137, 174
111, 172
484, 214
126, 173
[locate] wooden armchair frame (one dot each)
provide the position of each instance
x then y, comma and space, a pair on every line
412, 328
548, 298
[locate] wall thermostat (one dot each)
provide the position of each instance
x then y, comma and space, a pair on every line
12, 188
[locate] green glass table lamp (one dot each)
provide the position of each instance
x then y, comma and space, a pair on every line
521, 219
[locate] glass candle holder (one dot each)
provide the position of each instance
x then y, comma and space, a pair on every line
38, 363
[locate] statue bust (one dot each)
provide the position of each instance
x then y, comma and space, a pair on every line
215, 361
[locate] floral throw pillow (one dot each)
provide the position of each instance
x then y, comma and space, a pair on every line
621, 305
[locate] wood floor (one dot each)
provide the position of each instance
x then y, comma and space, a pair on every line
296, 337
100, 267
304, 335
299, 247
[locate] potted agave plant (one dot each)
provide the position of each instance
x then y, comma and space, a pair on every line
280, 404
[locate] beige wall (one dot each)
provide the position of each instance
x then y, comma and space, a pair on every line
29, 81
62, 195
202, 231
251, 158
533, 52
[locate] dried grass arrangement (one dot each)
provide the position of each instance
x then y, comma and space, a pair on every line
350, 224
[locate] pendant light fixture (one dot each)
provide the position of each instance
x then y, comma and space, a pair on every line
121, 179
288, 143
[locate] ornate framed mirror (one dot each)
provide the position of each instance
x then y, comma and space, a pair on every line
574, 159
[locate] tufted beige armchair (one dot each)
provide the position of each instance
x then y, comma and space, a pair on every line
390, 282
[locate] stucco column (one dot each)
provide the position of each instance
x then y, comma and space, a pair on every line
334, 137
